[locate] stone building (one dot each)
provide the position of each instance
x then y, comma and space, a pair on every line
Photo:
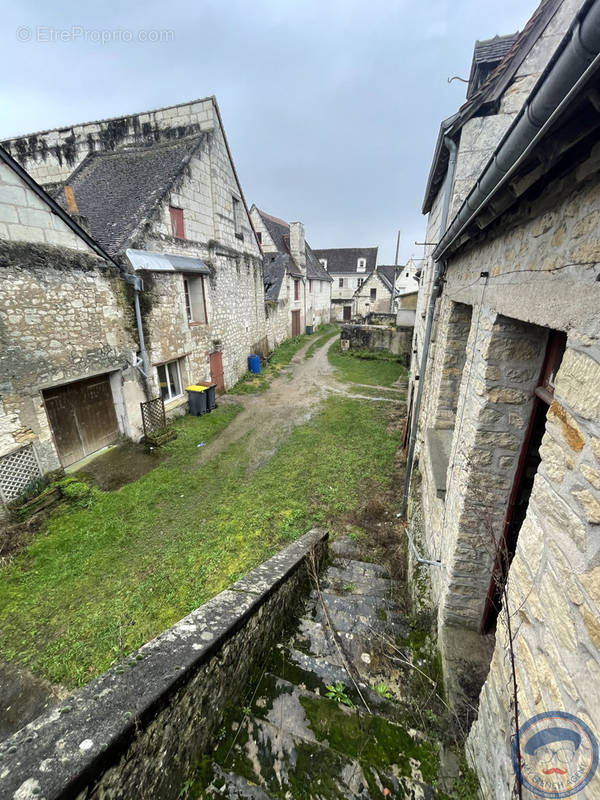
160, 193
349, 267
297, 287
504, 487
374, 294
68, 344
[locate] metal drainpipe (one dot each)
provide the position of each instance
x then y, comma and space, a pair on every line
437, 281
138, 285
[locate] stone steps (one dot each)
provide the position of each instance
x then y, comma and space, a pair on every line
293, 742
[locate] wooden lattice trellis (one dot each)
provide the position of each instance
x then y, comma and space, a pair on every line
154, 418
17, 470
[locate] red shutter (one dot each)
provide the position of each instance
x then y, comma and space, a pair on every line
177, 222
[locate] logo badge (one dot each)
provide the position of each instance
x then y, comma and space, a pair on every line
555, 754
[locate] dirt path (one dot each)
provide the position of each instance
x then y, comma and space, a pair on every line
270, 417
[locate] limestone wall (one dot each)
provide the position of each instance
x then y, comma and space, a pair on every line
318, 303
140, 729
65, 316
364, 304
378, 337
24, 217
554, 583
51, 156
542, 276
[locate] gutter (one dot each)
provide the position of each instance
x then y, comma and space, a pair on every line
564, 77
435, 291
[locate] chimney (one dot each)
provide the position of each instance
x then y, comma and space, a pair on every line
74, 210
297, 245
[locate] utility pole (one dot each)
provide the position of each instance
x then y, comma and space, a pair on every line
395, 273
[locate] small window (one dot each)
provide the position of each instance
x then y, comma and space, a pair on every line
177, 222
361, 265
259, 237
169, 380
237, 220
296, 290
341, 283
323, 262
373, 294
195, 299
310, 286
360, 282
407, 274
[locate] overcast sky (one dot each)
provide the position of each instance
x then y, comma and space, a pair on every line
331, 107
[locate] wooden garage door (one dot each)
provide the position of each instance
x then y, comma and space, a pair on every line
82, 417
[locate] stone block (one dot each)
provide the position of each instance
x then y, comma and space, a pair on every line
578, 383
511, 396
591, 475
555, 515
590, 505
568, 426
8, 213
23, 233
35, 217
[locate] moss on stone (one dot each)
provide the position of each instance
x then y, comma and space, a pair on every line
372, 740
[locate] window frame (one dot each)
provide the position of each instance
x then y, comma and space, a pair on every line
373, 294
361, 265
165, 365
296, 289
177, 222
188, 301
360, 282
237, 228
340, 283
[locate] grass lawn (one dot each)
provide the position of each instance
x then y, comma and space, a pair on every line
98, 582
376, 369
280, 357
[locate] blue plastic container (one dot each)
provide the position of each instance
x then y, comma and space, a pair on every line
254, 364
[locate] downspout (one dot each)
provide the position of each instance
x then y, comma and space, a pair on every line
137, 283
438, 273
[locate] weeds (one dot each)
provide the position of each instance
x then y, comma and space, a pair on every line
338, 692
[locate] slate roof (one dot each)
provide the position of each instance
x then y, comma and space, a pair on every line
487, 54
275, 266
117, 191
495, 49
484, 100
386, 273
341, 260
279, 231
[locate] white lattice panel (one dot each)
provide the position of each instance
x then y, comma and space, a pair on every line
17, 470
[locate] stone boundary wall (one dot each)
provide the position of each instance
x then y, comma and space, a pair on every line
381, 318
138, 729
376, 337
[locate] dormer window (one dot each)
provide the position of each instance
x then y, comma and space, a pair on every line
361, 265
177, 222
323, 261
